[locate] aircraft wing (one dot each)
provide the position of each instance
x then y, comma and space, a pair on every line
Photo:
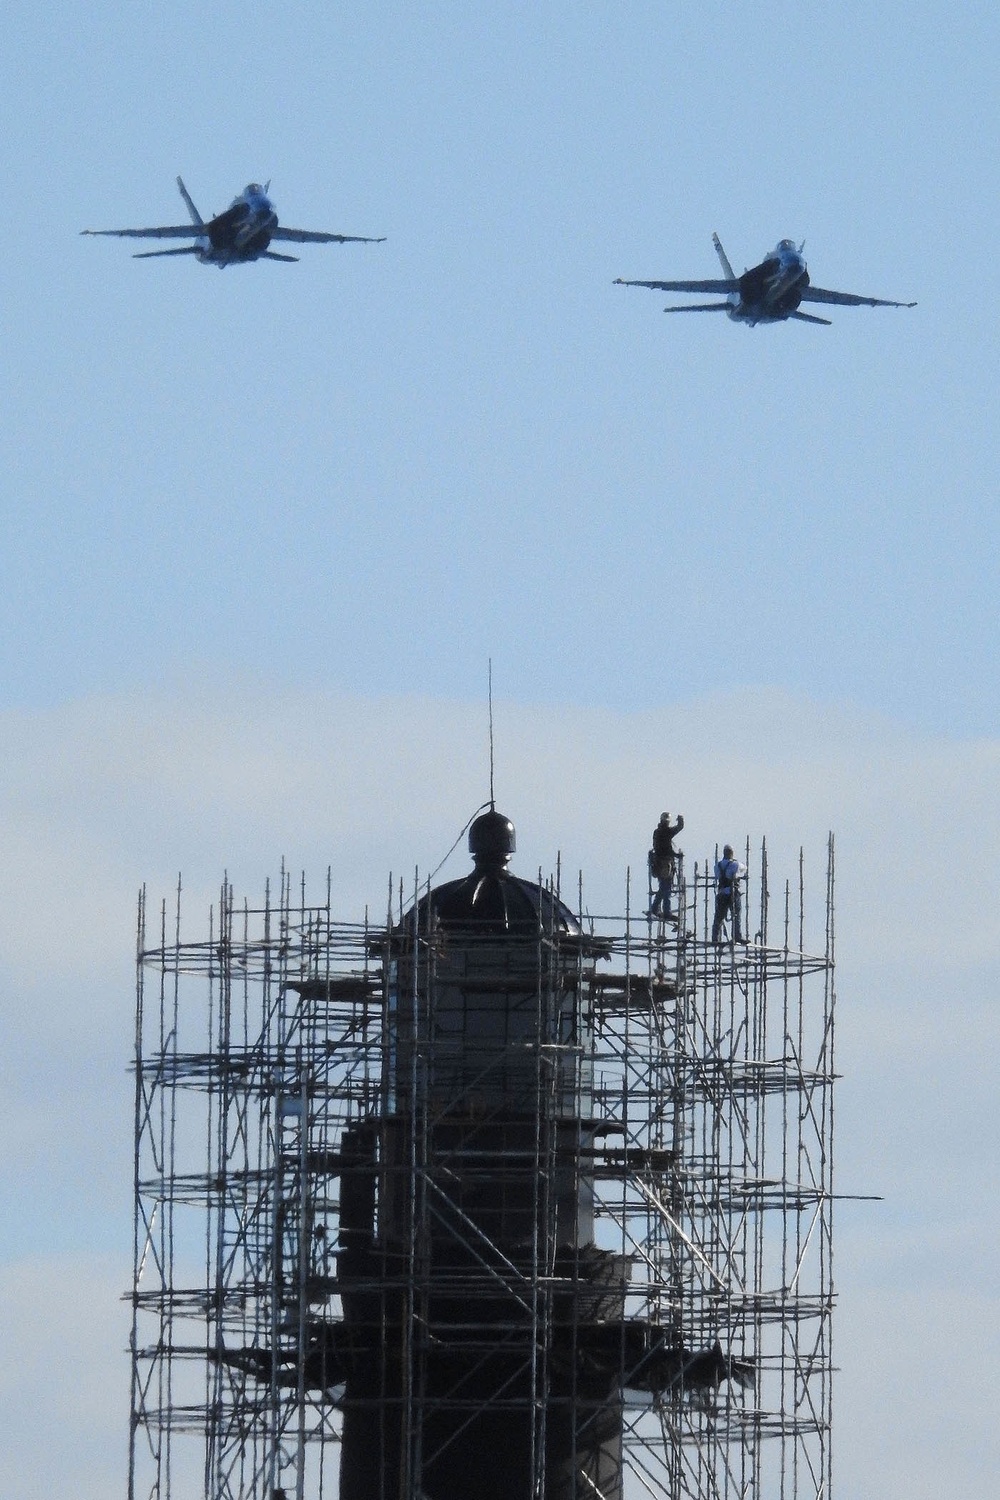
167, 232
848, 299
684, 286
316, 237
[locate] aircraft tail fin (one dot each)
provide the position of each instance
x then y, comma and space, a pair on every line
808, 318
149, 254
723, 257
700, 307
196, 217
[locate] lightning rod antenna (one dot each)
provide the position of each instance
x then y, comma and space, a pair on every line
489, 694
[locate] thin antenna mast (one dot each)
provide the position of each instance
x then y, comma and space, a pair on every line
489, 691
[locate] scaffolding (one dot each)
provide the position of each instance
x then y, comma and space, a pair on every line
272, 1061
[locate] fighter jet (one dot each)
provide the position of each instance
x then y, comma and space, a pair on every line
241, 233
769, 293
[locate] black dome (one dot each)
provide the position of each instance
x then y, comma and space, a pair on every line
490, 900
492, 840
495, 901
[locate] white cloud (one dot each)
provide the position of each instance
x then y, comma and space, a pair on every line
64, 1376
915, 1400
101, 795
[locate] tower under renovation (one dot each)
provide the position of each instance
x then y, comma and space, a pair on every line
495, 1198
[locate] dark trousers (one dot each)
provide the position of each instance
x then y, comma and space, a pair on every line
664, 892
726, 902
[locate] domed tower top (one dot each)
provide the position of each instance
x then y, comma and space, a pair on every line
491, 900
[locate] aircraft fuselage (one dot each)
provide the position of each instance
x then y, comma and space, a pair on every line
772, 291
242, 232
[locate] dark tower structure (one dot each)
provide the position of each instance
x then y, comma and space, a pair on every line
486, 1323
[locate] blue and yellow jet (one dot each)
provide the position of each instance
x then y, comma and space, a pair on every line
768, 293
243, 232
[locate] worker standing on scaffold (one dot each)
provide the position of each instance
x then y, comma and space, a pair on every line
728, 897
663, 858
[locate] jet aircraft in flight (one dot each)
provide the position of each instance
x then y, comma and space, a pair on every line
768, 293
242, 232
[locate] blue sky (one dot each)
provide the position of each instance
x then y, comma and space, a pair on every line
262, 530
386, 463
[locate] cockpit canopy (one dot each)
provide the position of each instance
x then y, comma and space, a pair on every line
788, 246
